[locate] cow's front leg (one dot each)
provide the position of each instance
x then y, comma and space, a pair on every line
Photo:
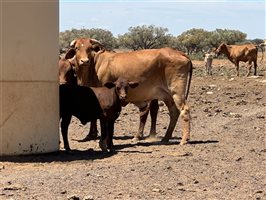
110, 135
153, 107
249, 66
65, 121
237, 69
103, 138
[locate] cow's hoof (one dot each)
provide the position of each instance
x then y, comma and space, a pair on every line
89, 137
165, 140
67, 149
135, 139
111, 150
103, 146
151, 139
184, 142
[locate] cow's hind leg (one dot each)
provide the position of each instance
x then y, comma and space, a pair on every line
143, 114
93, 133
186, 120
174, 114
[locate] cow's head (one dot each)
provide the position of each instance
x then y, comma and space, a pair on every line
220, 49
66, 71
83, 49
121, 87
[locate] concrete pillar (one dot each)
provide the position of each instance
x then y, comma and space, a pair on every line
29, 105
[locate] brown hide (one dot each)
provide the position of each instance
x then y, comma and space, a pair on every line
162, 74
66, 72
236, 53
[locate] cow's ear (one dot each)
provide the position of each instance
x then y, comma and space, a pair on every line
96, 45
72, 43
133, 84
109, 85
70, 53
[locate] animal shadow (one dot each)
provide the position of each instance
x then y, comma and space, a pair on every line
59, 156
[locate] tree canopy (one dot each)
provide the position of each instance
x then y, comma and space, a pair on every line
147, 37
104, 36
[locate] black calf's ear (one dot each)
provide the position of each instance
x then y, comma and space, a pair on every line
109, 85
133, 84
70, 54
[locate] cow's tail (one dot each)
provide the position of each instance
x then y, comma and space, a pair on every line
261, 46
189, 79
262, 51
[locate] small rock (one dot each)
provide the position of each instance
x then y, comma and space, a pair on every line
210, 92
156, 190
73, 197
196, 182
239, 159
260, 117
89, 197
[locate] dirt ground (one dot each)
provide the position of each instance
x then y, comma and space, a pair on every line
225, 159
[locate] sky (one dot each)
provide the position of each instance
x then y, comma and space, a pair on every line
178, 16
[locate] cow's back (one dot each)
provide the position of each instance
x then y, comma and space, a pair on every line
151, 68
244, 52
79, 101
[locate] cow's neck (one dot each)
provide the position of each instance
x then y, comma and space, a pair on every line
100, 66
227, 51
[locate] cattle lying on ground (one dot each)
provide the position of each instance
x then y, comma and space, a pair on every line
91, 103
208, 63
236, 53
163, 74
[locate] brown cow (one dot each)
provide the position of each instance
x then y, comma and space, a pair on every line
66, 71
163, 74
91, 103
236, 53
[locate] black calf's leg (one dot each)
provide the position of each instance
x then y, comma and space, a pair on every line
64, 129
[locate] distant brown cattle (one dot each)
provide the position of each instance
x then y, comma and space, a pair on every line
91, 103
236, 53
163, 74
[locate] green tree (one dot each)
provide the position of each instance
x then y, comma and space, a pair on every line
200, 40
228, 36
145, 37
194, 40
104, 36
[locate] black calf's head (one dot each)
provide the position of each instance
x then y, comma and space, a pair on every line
121, 87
